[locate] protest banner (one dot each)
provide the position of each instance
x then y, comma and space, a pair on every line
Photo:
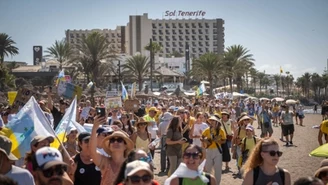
23, 95
131, 105
69, 90
113, 102
11, 96
111, 94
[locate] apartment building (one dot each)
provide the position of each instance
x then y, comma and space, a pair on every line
199, 36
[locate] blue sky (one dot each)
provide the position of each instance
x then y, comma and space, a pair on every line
292, 34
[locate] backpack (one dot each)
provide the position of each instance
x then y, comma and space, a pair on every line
256, 172
207, 175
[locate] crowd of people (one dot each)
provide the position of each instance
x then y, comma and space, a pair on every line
199, 139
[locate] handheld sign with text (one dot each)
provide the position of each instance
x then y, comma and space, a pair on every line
113, 102
69, 90
131, 105
22, 97
111, 94
11, 96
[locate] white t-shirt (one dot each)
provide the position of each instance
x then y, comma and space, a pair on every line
21, 176
198, 131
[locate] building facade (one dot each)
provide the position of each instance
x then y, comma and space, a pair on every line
198, 36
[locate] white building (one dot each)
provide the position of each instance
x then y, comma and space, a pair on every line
174, 63
175, 35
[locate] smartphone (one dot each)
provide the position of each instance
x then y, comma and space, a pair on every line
101, 111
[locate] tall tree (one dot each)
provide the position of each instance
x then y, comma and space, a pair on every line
93, 49
254, 75
156, 47
260, 76
237, 61
7, 47
207, 66
61, 51
138, 67
277, 82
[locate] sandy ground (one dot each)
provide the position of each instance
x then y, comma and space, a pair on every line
295, 159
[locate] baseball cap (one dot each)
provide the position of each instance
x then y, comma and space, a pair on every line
47, 157
5, 147
250, 127
136, 166
40, 138
104, 130
83, 136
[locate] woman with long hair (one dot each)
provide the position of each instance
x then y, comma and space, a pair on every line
192, 158
127, 126
261, 166
117, 145
70, 144
141, 138
174, 141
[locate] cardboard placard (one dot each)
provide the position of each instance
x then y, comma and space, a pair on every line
69, 90
113, 102
131, 105
22, 97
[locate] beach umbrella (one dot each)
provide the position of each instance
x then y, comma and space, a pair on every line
278, 99
263, 98
291, 101
321, 151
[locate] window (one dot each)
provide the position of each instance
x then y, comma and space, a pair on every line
71, 35
173, 25
207, 25
167, 25
154, 32
180, 32
193, 31
187, 25
154, 25
200, 25
206, 31
215, 25
180, 25
215, 31
193, 25
154, 38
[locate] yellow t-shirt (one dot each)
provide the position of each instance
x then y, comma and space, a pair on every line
148, 118
324, 127
207, 133
250, 144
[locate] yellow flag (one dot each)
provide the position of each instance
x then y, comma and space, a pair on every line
281, 71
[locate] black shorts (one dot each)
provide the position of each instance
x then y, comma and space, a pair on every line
287, 129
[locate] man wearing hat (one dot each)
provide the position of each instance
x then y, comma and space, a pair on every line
150, 117
20, 175
50, 168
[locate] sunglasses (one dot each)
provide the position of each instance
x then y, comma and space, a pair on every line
58, 170
119, 140
143, 124
145, 159
273, 153
194, 155
136, 179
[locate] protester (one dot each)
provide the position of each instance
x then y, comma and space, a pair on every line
150, 117
322, 172
4, 180
36, 143
261, 167
286, 119
127, 126
308, 181
70, 144
192, 158
228, 127
20, 175
56, 114
265, 116
85, 171
138, 171
50, 168
141, 138
103, 132
214, 137
174, 143
161, 133
117, 145
248, 143
197, 129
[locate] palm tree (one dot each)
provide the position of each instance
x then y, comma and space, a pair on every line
307, 83
253, 72
137, 66
237, 61
93, 49
61, 51
261, 76
207, 66
156, 47
316, 84
12, 65
7, 80
7, 47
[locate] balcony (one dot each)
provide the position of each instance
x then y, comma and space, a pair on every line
167, 25
207, 25
193, 25
215, 25
174, 32
193, 38
200, 25
187, 25
154, 25
180, 25
193, 32
154, 32
167, 32
180, 32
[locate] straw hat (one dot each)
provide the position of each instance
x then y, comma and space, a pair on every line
323, 167
121, 134
244, 118
225, 112
141, 120
214, 118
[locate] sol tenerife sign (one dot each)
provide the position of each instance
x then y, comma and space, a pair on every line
184, 13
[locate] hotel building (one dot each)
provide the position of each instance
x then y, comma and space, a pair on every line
175, 35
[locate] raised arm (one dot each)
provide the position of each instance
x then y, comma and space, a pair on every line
50, 103
96, 156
